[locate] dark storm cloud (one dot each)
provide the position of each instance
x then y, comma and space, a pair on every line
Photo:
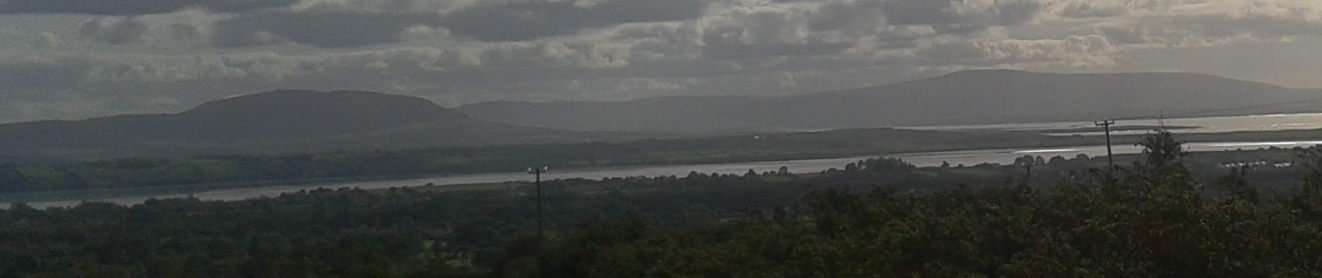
527, 21
114, 30
133, 7
320, 29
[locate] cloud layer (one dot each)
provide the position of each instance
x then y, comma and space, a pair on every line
134, 7
65, 59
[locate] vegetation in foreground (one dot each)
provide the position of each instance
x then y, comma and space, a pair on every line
1151, 220
876, 218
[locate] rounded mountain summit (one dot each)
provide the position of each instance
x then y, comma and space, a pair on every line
303, 113
283, 121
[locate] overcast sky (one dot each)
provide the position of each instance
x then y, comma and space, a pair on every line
72, 59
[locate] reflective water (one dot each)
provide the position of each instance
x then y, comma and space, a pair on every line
1202, 125
71, 198
1006, 156
969, 158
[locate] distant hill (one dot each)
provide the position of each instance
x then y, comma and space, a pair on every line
274, 122
968, 97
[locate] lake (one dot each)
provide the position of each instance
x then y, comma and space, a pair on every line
968, 157
1275, 122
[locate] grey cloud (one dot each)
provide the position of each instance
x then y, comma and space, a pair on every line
517, 22
944, 15
1091, 10
743, 51
23, 80
186, 32
320, 29
954, 52
134, 7
867, 18
45, 40
900, 37
1125, 35
488, 22
1176, 30
848, 16
830, 27
114, 30
527, 21
694, 49
721, 46
625, 11
740, 33
1262, 26
1074, 51
1016, 12
916, 12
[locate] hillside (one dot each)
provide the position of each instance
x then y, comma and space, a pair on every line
969, 97
273, 122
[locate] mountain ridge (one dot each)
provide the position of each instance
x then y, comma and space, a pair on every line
966, 97
280, 121
286, 121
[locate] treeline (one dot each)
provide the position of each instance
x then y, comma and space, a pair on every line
1149, 220
423, 232
878, 217
428, 232
316, 234
144, 172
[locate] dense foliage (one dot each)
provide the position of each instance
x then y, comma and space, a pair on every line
1147, 222
1154, 217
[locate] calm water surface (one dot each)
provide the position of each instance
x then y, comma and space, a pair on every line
1274, 122
969, 157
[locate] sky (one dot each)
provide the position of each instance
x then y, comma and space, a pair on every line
75, 59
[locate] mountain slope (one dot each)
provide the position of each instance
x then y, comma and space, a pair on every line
969, 97
297, 114
274, 122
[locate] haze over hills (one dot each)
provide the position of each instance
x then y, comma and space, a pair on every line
308, 121
275, 122
969, 97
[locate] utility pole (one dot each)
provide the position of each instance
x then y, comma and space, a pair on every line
1028, 173
1106, 126
541, 220
1161, 120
